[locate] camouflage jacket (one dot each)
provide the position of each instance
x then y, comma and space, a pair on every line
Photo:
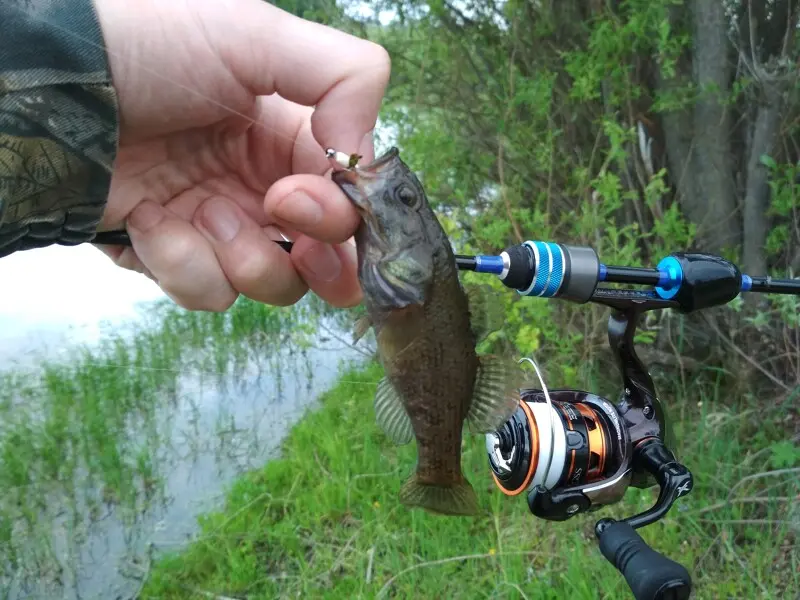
58, 123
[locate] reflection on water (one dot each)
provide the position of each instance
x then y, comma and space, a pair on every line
129, 448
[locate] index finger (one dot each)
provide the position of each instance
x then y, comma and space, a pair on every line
342, 76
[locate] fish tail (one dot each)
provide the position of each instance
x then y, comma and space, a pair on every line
454, 499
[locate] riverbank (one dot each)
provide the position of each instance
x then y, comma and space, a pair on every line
323, 520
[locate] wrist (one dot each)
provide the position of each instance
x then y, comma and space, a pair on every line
58, 136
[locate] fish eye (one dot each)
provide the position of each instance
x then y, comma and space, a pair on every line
407, 195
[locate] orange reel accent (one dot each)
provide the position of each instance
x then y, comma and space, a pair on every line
534, 455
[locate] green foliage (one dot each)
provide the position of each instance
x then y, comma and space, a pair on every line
321, 11
784, 185
673, 232
785, 454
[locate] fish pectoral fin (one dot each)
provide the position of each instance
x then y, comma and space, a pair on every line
360, 327
456, 499
496, 395
486, 310
391, 415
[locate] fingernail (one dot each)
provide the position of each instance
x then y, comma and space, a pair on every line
322, 262
145, 216
220, 220
350, 251
299, 209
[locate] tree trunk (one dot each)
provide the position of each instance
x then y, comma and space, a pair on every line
757, 195
676, 123
714, 210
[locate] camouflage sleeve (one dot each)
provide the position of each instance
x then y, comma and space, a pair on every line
58, 123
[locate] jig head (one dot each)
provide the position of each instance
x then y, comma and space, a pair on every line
342, 159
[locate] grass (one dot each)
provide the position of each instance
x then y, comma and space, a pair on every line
323, 521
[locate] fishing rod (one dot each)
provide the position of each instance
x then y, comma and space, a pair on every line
120, 237
573, 451
549, 270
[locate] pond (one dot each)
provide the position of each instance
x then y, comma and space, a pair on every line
135, 428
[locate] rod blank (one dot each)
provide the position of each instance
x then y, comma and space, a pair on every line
609, 273
769, 285
632, 275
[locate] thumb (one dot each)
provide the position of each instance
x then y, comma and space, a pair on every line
273, 51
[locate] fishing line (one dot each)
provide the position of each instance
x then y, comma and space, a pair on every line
546, 476
142, 67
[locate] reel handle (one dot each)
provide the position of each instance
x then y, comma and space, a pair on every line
674, 479
650, 575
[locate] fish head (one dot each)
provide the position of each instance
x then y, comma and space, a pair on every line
399, 234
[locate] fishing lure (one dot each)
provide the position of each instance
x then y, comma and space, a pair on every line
342, 159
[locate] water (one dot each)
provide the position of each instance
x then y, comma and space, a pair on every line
215, 434
54, 297
201, 437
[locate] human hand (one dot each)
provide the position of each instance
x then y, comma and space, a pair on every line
219, 144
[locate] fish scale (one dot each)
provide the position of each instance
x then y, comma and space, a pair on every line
434, 379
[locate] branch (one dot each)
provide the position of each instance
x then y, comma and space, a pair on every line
744, 355
442, 561
370, 561
727, 503
509, 214
754, 476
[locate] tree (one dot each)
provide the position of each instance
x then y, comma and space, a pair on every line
639, 127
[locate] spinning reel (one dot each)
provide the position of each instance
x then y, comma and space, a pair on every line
571, 451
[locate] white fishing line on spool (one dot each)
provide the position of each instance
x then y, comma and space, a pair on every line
552, 441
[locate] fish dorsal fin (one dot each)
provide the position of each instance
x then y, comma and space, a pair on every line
496, 394
486, 310
360, 327
391, 415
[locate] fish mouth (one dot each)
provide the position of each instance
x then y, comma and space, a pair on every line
390, 292
354, 182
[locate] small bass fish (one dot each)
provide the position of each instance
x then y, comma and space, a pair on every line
434, 380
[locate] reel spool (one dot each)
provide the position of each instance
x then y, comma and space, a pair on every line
564, 447
580, 448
